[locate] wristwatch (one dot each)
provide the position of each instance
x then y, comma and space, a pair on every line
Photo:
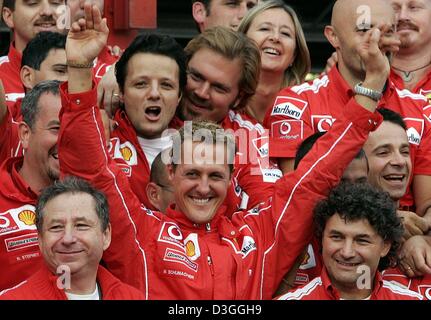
370, 93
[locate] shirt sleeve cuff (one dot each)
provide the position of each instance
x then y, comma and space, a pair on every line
84, 99
361, 117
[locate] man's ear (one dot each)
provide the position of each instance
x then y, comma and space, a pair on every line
24, 133
332, 37
27, 77
171, 172
107, 237
153, 194
7, 15
386, 247
199, 14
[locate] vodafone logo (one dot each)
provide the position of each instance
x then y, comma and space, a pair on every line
175, 233
285, 128
428, 294
4, 222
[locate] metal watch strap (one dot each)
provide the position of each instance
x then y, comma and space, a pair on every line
367, 92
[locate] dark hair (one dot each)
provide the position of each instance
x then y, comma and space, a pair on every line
392, 116
30, 103
305, 147
155, 44
358, 201
308, 143
206, 3
231, 45
205, 132
72, 185
9, 4
39, 47
158, 169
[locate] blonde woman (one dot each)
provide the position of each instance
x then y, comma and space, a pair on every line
275, 28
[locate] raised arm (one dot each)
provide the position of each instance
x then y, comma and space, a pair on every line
297, 193
82, 150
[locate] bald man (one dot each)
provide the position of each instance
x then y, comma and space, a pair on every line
159, 190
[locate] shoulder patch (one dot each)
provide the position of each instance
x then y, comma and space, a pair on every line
289, 106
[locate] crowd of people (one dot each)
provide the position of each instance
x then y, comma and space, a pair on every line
215, 171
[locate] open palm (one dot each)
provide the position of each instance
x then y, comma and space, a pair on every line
87, 37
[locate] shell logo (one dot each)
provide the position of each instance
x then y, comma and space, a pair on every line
28, 217
306, 258
126, 153
190, 249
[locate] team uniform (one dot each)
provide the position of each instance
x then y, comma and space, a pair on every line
321, 288
10, 145
43, 285
242, 255
423, 87
421, 285
10, 67
311, 266
126, 150
302, 110
19, 249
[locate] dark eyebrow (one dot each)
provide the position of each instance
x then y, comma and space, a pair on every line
214, 84
363, 236
54, 122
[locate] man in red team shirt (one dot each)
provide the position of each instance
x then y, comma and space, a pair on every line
360, 233
310, 107
74, 231
411, 66
151, 75
23, 178
44, 58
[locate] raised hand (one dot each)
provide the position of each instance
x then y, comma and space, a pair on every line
87, 36
378, 43
415, 256
413, 224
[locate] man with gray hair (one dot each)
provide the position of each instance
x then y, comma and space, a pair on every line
23, 178
72, 220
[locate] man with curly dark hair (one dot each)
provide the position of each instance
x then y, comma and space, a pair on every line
360, 233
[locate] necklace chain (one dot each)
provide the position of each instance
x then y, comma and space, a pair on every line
407, 75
